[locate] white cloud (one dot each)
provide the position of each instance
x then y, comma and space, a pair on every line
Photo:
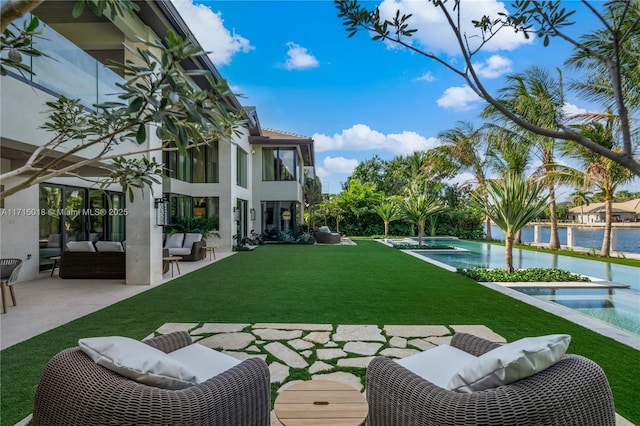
460, 98
298, 58
338, 165
208, 27
571, 110
435, 34
494, 67
428, 77
361, 137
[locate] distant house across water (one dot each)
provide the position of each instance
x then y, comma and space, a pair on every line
628, 211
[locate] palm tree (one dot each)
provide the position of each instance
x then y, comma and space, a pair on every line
388, 210
511, 203
418, 206
581, 197
601, 172
539, 98
467, 148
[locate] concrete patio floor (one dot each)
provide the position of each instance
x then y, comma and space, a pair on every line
49, 301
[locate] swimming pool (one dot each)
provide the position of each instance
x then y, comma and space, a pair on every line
622, 310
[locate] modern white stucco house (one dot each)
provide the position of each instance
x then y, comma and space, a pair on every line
247, 183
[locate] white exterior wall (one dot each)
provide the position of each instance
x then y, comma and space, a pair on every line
274, 190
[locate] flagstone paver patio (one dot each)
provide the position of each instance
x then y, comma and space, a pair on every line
321, 351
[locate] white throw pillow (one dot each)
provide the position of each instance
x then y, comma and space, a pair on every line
510, 363
53, 240
189, 239
109, 246
203, 361
438, 364
81, 246
138, 361
174, 241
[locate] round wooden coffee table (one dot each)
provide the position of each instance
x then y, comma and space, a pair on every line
321, 402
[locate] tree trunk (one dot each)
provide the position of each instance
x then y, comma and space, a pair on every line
606, 240
386, 229
420, 232
518, 239
554, 240
487, 220
581, 213
508, 251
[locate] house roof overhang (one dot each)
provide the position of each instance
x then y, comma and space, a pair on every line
275, 137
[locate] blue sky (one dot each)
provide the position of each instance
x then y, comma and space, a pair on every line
358, 98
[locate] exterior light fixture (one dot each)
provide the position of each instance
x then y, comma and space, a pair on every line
252, 213
162, 212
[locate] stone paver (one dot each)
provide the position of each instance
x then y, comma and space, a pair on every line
172, 327
416, 330
319, 366
242, 355
480, 331
398, 353
349, 333
229, 341
320, 337
362, 348
421, 344
325, 354
306, 353
444, 340
252, 348
360, 362
271, 334
299, 344
220, 328
279, 372
286, 355
398, 342
306, 327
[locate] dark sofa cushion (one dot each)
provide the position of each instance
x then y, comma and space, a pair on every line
105, 265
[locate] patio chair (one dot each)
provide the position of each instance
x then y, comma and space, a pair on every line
75, 390
9, 270
573, 391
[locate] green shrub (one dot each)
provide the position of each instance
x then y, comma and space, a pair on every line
521, 275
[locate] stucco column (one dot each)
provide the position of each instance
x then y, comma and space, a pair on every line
571, 237
144, 237
537, 234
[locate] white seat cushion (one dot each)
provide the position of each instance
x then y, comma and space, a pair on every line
189, 239
81, 246
174, 241
510, 363
109, 246
179, 251
138, 361
203, 361
437, 365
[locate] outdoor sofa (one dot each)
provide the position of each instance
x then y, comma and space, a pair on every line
189, 246
75, 390
572, 391
102, 260
325, 236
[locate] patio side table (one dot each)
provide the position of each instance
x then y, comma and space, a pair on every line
321, 402
173, 260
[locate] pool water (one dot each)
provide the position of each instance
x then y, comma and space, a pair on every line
621, 310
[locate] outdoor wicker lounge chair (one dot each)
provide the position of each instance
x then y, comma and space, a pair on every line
9, 270
573, 391
74, 390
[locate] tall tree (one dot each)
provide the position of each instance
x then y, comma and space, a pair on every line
512, 202
388, 210
467, 147
579, 198
419, 205
599, 171
620, 21
537, 96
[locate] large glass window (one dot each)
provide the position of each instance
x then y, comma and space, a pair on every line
197, 165
279, 164
241, 170
185, 206
77, 214
279, 217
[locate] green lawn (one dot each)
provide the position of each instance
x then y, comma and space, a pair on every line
364, 284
